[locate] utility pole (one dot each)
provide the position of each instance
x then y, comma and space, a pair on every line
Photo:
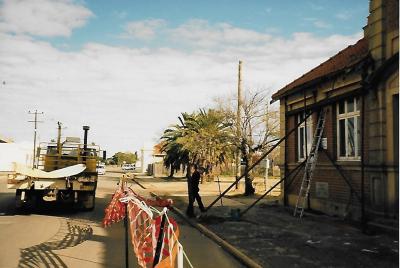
238, 121
34, 134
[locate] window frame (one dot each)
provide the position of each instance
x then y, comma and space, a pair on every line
309, 131
356, 116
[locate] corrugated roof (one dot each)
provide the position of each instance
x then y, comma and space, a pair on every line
345, 58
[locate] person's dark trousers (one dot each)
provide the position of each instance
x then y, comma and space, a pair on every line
198, 199
194, 196
190, 208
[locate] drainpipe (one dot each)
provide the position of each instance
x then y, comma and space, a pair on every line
365, 82
363, 219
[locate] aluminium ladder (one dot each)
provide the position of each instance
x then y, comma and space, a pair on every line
310, 166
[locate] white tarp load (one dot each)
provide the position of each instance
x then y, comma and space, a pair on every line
59, 173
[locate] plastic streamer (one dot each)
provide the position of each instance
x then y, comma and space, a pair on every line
145, 225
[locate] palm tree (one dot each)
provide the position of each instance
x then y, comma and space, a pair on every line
202, 138
176, 157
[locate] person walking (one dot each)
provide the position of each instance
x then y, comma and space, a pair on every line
194, 192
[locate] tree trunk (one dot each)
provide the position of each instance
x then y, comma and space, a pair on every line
248, 183
172, 171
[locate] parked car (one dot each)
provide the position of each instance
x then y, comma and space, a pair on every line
128, 167
101, 169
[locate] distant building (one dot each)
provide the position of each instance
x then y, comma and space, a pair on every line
155, 164
359, 89
11, 152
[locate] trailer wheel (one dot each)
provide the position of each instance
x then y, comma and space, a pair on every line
89, 200
18, 201
29, 201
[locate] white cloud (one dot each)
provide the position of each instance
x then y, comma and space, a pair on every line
344, 15
120, 14
321, 24
201, 33
144, 30
318, 23
42, 17
316, 7
129, 95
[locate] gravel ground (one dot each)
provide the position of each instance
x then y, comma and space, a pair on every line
271, 236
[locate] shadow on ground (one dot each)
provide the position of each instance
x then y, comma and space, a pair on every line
76, 227
70, 234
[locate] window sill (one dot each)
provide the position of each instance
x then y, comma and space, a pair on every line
348, 160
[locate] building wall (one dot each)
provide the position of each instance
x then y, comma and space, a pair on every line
329, 191
383, 34
392, 152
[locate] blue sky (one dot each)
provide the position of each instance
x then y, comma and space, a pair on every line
129, 68
282, 18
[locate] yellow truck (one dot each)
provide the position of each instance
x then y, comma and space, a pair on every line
63, 172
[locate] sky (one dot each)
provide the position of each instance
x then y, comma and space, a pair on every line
129, 68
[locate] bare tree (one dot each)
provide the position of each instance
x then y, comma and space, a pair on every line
259, 125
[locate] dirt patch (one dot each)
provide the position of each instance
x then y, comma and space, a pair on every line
274, 238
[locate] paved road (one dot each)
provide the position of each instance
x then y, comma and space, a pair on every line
47, 237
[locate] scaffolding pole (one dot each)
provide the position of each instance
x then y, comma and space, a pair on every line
297, 168
257, 162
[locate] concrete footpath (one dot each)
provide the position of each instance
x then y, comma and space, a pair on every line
268, 235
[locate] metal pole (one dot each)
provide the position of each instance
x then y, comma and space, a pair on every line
273, 187
266, 173
285, 164
159, 241
306, 143
219, 188
126, 236
363, 219
59, 146
257, 162
34, 142
352, 190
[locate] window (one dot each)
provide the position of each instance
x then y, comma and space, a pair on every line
304, 131
349, 129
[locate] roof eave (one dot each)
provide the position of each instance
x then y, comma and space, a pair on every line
278, 95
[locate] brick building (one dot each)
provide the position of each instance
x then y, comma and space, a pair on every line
357, 170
